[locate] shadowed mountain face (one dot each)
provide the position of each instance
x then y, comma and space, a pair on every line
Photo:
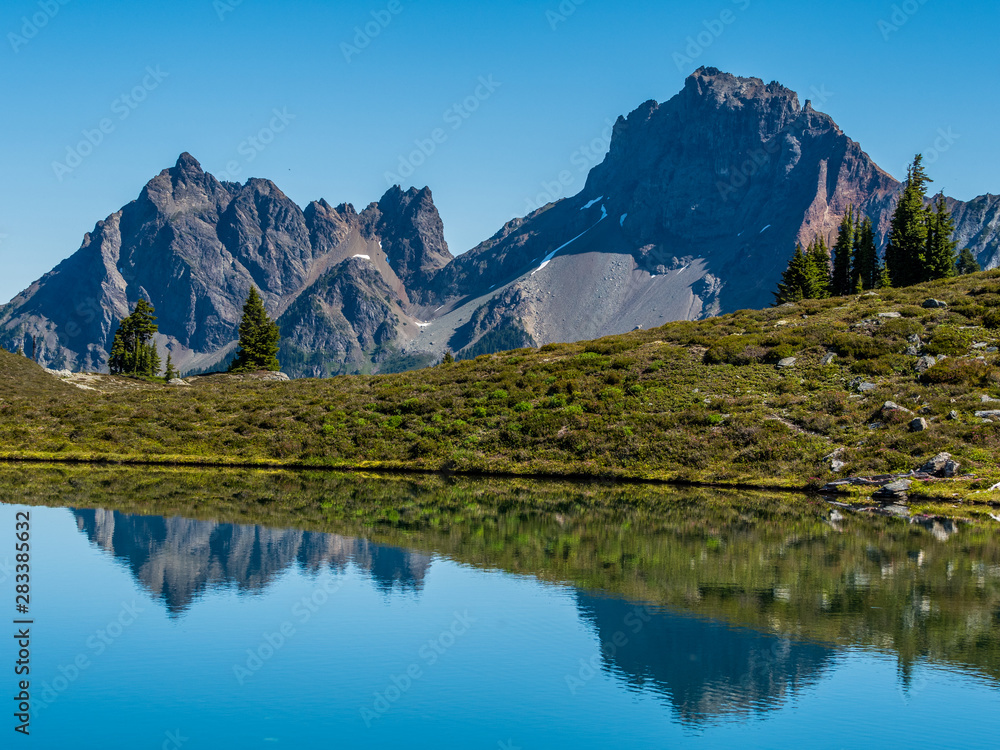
695, 211
177, 559
706, 669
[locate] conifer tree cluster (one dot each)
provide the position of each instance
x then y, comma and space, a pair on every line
920, 248
134, 351
259, 338
807, 276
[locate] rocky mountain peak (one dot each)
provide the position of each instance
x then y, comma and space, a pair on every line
188, 164
412, 234
711, 85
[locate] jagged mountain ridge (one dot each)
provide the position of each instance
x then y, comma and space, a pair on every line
193, 246
692, 213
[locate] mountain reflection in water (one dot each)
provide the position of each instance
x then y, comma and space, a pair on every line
705, 669
178, 559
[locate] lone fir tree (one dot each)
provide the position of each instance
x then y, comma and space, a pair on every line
843, 255
905, 252
133, 351
967, 263
939, 258
865, 268
259, 338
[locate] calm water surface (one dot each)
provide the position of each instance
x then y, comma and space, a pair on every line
501, 628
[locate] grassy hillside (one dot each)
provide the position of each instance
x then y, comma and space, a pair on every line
695, 401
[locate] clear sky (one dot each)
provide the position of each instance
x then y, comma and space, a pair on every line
208, 76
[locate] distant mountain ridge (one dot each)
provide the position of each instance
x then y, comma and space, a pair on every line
693, 212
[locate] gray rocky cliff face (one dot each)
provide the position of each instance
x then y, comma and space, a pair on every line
977, 227
412, 236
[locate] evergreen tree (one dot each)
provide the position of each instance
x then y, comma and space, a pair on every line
884, 279
133, 351
939, 258
866, 265
967, 263
259, 338
795, 281
169, 373
819, 261
807, 275
905, 252
842, 282
20, 351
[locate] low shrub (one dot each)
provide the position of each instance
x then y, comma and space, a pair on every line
959, 372
949, 340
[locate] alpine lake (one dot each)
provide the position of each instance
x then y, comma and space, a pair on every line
209, 609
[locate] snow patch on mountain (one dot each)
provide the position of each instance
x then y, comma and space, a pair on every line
550, 256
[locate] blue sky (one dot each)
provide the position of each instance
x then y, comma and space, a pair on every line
290, 91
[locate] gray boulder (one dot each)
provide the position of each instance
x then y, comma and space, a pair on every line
918, 425
942, 465
787, 362
926, 362
934, 303
894, 490
893, 406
